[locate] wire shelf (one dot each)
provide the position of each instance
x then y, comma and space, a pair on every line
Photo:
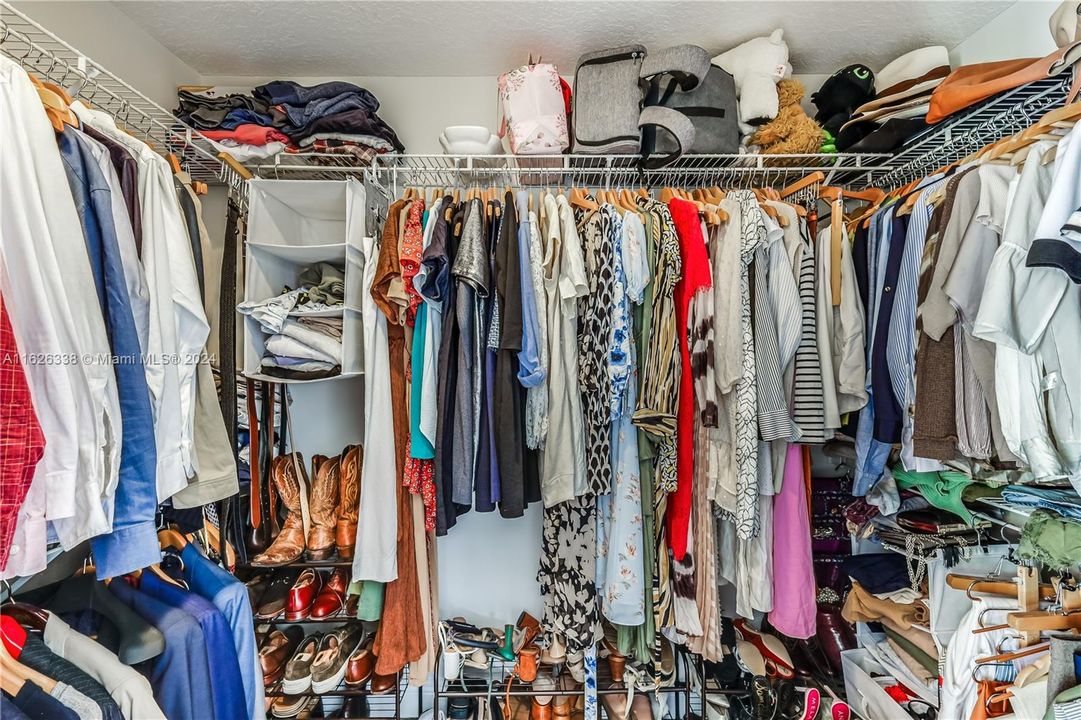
432, 170
966, 132
43, 54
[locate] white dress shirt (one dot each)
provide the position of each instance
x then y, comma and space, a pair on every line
178, 324
49, 291
1018, 376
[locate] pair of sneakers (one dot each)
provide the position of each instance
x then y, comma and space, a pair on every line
784, 700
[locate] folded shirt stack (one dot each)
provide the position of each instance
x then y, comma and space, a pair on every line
306, 349
336, 118
303, 344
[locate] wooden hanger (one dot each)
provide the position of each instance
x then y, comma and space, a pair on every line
1037, 621
805, 182
169, 538
174, 163
580, 198
56, 108
236, 166
872, 195
994, 586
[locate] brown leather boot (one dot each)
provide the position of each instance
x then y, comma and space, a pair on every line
345, 534
323, 507
289, 545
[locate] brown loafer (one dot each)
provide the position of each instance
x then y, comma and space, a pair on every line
384, 684
276, 651
360, 665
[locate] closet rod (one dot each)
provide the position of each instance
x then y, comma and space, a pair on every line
41, 53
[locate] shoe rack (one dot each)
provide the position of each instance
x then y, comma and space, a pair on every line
498, 680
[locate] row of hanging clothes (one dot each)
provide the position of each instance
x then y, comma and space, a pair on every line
110, 401
651, 368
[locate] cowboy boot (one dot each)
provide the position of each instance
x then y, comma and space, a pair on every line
345, 534
323, 507
289, 545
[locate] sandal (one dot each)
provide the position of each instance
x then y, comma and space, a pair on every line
778, 661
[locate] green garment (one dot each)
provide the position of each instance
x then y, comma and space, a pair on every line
1051, 540
928, 662
946, 490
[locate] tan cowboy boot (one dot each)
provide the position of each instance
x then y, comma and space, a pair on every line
323, 507
287, 473
345, 534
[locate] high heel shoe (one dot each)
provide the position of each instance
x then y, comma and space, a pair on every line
778, 662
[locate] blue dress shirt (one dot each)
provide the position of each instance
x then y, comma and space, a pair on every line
133, 543
230, 596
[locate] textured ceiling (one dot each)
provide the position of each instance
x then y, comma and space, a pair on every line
294, 38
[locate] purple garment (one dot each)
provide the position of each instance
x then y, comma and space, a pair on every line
794, 608
226, 685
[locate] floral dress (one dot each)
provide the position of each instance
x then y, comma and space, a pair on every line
620, 570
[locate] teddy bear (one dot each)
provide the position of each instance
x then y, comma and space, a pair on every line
840, 95
792, 131
756, 66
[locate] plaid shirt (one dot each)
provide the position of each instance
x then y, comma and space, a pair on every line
21, 440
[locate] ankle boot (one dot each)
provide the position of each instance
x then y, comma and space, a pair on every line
323, 507
345, 534
289, 545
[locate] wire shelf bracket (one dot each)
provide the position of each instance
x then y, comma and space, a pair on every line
42, 53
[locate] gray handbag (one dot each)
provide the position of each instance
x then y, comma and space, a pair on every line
709, 107
607, 101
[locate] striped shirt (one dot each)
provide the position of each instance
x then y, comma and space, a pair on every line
777, 338
808, 403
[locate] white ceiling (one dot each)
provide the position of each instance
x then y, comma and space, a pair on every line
303, 38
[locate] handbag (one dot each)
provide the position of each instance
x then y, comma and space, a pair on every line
534, 114
969, 84
685, 88
607, 100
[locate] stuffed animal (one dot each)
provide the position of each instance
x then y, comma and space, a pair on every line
792, 131
843, 92
757, 65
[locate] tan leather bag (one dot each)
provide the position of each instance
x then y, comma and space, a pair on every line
969, 84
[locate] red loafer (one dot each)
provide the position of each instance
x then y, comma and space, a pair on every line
331, 599
302, 595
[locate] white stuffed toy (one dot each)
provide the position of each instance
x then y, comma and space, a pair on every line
757, 66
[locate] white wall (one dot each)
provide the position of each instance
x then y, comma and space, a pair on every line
113, 40
1020, 31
